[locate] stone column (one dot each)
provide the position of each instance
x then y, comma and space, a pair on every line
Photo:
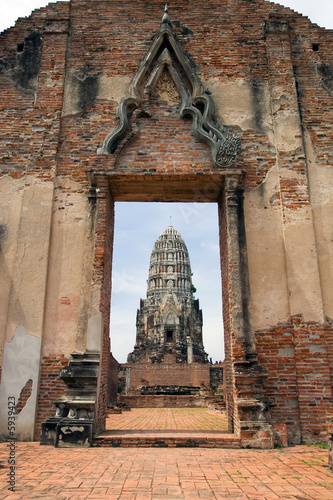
300, 247
302, 268
238, 286
81, 412
243, 375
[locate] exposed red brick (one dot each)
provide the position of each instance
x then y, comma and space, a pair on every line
51, 387
225, 41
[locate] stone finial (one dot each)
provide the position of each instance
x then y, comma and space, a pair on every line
166, 18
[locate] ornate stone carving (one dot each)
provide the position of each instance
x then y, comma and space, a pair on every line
72, 424
167, 69
166, 88
228, 151
169, 321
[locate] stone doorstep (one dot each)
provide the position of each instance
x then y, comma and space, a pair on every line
162, 439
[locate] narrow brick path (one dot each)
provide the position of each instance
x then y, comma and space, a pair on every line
181, 419
298, 473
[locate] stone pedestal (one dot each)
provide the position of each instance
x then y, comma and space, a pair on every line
72, 426
74, 433
253, 430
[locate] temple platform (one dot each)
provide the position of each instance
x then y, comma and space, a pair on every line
167, 427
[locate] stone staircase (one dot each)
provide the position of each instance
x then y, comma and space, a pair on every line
168, 427
166, 439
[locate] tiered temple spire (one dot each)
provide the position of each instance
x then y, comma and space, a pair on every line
169, 321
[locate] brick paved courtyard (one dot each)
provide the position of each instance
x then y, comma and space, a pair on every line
167, 427
297, 473
181, 419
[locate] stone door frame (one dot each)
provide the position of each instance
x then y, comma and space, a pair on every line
224, 188
244, 378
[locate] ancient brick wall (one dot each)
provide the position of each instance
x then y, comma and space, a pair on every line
150, 374
299, 381
216, 378
63, 73
51, 388
165, 401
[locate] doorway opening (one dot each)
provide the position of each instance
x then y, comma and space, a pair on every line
169, 336
137, 226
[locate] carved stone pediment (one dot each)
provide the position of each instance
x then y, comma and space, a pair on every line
167, 70
166, 88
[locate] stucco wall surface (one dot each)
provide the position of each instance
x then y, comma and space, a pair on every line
64, 73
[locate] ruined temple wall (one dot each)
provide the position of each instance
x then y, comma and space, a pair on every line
150, 374
32, 87
274, 87
44, 218
24, 256
290, 299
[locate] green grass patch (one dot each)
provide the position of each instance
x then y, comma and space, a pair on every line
323, 446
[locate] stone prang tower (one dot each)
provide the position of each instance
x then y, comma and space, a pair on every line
169, 321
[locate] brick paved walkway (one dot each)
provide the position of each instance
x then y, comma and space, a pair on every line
298, 473
181, 419
167, 427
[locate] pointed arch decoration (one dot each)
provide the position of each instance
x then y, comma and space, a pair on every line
167, 55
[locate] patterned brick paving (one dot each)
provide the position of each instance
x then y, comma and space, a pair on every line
298, 473
183, 419
167, 427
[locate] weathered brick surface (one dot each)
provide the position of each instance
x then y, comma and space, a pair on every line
298, 385
56, 110
227, 375
51, 388
165, 401
24, 396
151, 374
242, 56
102, 276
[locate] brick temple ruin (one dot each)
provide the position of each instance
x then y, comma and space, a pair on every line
223, 101
169, 321
169, 360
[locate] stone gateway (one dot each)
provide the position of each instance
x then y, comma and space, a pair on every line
223, 101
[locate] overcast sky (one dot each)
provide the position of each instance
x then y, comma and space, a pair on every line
138, 226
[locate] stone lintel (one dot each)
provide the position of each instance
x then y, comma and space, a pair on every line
205, 187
